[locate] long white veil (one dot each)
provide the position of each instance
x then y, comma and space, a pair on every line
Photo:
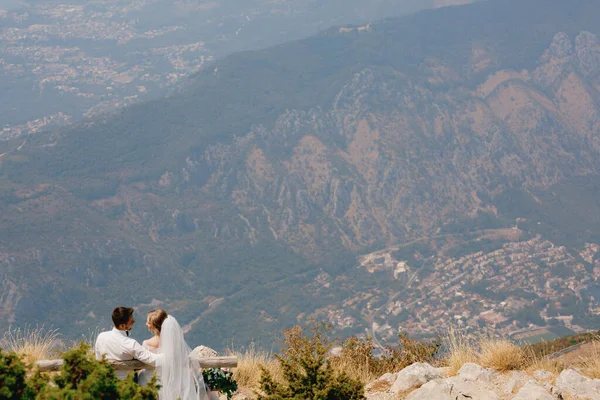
180, 376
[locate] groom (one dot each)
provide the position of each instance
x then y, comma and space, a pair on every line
117, 345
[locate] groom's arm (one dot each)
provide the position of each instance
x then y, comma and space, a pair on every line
143, 355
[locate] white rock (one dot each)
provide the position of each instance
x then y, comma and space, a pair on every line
388, 378
452, 389
542, 374
474, 372
380, 396
336, 351
431, 390
532, 391
414, 375
579, 386
442, 371
555, 391
516, 380
203, 352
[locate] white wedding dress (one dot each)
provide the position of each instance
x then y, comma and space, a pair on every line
179, 376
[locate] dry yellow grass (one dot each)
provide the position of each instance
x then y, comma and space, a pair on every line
358, 369
380, 386
460, 351
543, 363
590, 365
89, 339
32, 343
501, 354
248, 372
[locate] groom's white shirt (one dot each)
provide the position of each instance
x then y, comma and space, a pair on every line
116, 345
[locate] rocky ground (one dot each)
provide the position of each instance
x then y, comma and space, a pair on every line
421, 381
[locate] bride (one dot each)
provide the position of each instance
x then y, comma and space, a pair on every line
179, 376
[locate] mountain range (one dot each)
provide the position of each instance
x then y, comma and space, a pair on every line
227, 201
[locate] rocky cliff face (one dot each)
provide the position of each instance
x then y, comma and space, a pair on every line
397, 156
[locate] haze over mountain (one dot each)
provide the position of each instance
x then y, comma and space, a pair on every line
460, 141
62, 60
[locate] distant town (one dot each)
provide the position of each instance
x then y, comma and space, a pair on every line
66, 60
89, 59
524, 290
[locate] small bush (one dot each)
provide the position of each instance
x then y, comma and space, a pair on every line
248, 371
307, 373
220, 380
410, 351
81, 377
77, 368
590, 365
553, 366
12, 376
357, 359
32, 344
460, 352
128, 389
501, 354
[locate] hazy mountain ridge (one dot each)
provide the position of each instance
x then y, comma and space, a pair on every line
61, 61
315, 150
394, 159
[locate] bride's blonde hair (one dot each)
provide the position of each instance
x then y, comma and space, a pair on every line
156, 318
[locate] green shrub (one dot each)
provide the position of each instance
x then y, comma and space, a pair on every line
128, 389
308, 374
80, 378
356, 356
77, 368
220, 380
35, 385
410, 351
12, 376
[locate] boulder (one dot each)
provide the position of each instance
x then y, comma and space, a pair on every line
380, 396
554, 390
335, 351
542, 375
203, 352
385, 380
578, 386
431, 390
515, 381
532, 391
452, 389
474, 372
414, 375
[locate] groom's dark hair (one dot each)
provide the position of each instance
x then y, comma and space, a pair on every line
121, 315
